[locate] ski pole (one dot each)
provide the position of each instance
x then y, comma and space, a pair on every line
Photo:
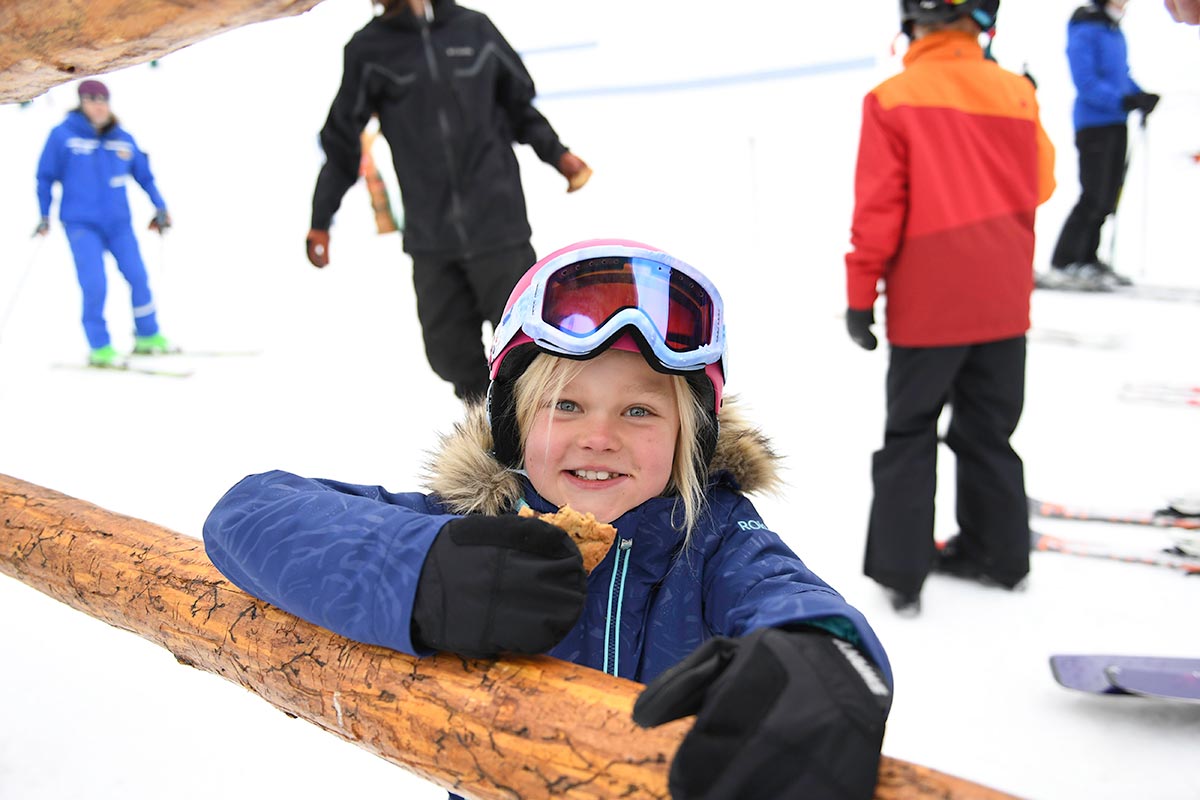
1112, 222
12, 300
1144, 155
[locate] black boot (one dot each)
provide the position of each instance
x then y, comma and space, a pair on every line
905, 604
952, 559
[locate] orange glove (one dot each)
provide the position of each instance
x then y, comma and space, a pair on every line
574, 170
161, 221
317, 245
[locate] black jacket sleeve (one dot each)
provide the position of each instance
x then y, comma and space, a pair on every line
340, 140
515, 92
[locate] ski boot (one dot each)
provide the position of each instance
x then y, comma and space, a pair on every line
1110, 275
106, 356
154, 344
905, 604
952, 560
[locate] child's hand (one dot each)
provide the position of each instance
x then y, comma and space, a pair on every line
779, 714
494, 585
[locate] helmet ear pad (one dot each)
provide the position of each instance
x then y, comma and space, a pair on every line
502, 405
705, 394
502, 409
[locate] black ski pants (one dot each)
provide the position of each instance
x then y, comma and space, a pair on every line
1102, 167
985, 387
454, 297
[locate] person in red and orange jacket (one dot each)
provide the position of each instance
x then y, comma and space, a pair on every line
952, 165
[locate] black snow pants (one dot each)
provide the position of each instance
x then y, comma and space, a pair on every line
454, 297
1102, 168
985, 387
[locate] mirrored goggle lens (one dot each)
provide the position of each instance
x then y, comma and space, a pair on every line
580, 298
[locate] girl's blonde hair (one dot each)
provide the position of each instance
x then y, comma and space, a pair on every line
542, 383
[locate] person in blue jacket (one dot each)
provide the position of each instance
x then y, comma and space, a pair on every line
93, 157
607, 379
1105, 96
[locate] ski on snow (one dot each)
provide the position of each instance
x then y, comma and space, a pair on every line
138, 362
185, 353
1172, 559
1169, 517
1162, 684
1171, 394
1148, 676
1176, 294
125, 366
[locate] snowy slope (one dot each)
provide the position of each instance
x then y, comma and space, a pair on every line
750, 179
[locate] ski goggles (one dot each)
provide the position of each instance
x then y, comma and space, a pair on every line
579, 302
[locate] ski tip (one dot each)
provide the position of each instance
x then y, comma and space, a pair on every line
1082, 673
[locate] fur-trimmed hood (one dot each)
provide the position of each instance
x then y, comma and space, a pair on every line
468, 480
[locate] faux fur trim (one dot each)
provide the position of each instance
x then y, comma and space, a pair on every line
465, 476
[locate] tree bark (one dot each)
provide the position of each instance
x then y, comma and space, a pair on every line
488, 729
46, 42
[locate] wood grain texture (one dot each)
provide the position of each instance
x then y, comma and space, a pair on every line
488, 729
46, 42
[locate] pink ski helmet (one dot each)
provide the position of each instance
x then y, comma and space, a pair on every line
583, 299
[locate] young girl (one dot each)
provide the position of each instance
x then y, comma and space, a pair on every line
608, 371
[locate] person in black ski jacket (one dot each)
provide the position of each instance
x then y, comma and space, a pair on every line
452, 97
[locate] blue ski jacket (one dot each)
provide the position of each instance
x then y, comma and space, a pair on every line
1099, 62
348, 557
93, 168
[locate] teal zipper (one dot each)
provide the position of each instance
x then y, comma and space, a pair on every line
616, 590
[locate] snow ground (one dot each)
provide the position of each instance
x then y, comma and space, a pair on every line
743, 179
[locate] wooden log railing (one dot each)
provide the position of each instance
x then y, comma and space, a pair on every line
46, 42
488, 729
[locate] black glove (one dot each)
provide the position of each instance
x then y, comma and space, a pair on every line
492, 585
43, 227
779, 714
859, 323
1140, 101
161, 221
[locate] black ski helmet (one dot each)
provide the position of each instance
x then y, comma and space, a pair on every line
937, 12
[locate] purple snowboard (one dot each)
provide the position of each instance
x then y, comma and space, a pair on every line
1087, 672
1176, 684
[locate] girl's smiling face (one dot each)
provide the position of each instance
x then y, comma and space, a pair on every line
607, 445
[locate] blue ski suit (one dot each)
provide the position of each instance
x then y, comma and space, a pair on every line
93, 168
1099, 59
348, 557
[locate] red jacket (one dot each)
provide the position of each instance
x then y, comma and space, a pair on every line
952, 165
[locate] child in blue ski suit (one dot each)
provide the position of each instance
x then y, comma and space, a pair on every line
607, 380
93, 157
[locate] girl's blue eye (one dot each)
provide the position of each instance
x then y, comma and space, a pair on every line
639, 411
565, 405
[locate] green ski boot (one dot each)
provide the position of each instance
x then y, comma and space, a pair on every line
155, 344
106, 356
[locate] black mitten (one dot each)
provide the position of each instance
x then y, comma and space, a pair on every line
858, 325
779, 714
1140, 101
492, 585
